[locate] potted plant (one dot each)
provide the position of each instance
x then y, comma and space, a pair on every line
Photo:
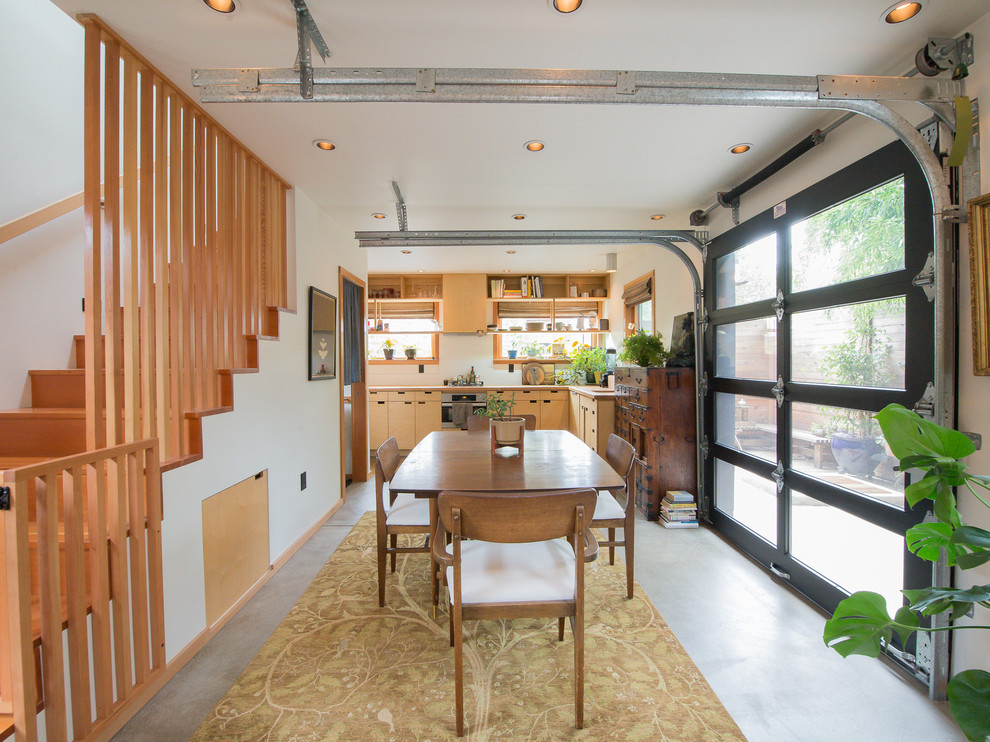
533, 349
588, 361
862, 624
513, 346
388, 348
642, 349
505, 429
410, 351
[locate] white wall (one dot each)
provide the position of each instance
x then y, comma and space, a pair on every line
41, 272
281, 422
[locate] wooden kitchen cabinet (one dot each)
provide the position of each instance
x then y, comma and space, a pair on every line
591, 420
554, 409
574, 419
427, 413
464, 306
377, 418
402, 418
528, 403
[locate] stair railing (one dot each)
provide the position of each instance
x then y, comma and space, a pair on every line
185, 257
82, 553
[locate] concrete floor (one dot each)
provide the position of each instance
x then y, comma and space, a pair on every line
757, 643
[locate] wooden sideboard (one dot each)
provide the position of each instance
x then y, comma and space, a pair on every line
655, 412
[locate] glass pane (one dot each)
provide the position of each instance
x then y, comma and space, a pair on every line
644, 316
856, 345
544, 344
747, 423
845, 447
747, 274
422, 343
747, 498
849, 551
747, 350
861, 237
410, 325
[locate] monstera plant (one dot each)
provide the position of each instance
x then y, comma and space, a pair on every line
862, 625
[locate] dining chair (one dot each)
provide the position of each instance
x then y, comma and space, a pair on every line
521, 562
478, 423
609, 514
403, 513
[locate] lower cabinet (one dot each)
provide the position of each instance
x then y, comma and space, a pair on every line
554, 409
377, 418
402, 418
408, 416
528, 402
592, 420
427, 414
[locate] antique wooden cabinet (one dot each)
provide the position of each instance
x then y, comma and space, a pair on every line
655, 412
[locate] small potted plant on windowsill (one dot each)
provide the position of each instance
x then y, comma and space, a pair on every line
388, 349
505, 429
410, 351
513, 346
589, 362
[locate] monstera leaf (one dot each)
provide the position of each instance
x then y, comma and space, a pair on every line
974, 540
861, 625
932, 600
969, 700
929, 540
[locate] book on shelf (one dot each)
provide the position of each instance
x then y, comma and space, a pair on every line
498, 288
692, 516
679, 524
677, 505
679, 496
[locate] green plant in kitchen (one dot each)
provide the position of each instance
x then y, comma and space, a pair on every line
410, 350
388, 348
533, 349
643, 349
390, 344
588, 360
862, 625
497, 406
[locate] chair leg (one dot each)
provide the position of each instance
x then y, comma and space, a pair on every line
458, 672
382, 558
450, 614
629, 536
560, 629
579, 671
611, 549
395, 543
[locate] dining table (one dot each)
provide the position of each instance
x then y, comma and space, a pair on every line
458, 460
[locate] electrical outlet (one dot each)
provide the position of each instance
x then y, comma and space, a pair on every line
302, 481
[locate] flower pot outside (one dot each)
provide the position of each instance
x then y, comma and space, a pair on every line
389, 352
410, 353
512, 353
854, 455
508, 431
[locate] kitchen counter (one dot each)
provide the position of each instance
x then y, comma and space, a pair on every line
594, 392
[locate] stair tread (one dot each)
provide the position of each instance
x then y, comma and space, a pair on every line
57, 372
43, 412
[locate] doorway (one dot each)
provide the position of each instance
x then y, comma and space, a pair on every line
354, 386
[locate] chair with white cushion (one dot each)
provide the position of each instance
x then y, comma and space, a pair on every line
403, 513
520, 563
610, 514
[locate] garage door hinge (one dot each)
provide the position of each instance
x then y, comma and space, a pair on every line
926, 405
703, 384
954, 214
625, 83
778, 306
778, 391
778, 476
925, 280
705, 322
704, 447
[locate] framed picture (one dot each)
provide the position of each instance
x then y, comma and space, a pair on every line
322, 335
979, 281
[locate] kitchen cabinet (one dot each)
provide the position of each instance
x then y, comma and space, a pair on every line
402, 418
427, 413
377, 418
465, 308
591, 420
528, 403
554, 409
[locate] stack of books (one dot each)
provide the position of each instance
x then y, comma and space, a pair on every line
678, 510
498, 288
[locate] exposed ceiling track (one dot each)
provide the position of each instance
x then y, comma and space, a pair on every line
307, 32
400, 207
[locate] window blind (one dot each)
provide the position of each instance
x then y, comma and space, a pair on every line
638, 292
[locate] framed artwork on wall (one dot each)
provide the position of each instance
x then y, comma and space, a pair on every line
322, 335
979, 281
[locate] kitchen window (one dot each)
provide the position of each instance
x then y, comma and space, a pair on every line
407, 324
638, 299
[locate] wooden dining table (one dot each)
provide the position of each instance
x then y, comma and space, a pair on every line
461, 461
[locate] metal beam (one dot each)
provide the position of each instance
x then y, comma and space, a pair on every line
464, 238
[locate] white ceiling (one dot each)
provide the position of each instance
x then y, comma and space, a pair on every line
463, 166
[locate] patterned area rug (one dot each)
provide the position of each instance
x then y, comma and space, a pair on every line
341, 668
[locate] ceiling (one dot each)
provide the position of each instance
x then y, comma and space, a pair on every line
463, 166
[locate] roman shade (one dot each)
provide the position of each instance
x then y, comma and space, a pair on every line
638, 292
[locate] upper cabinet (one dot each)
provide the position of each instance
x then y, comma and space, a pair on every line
464, 305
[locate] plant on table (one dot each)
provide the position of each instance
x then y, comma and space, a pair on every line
862, 625
497, 406
643, 349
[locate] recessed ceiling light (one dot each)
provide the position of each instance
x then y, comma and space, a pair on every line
657, 217
378, 215
518, 217
419, 270
534, 145
325, 144
221, 6
899, 12
407, 252
741, 148
510, 252
566, 6
592, 270
505, 270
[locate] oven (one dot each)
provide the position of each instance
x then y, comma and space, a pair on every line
455, 407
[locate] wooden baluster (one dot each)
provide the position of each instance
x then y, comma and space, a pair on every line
177, 430
210, 248
199, 263
162, 375
48, 493
238, 255
153, 507
99, 585
74, 509
112, 344
187, 293
138, 554
149, 371
117, 483
130, 257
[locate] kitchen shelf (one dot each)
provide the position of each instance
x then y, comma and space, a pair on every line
526, 359
547, 332
405, 332
404, 362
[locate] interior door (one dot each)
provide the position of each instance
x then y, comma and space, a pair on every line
816, 323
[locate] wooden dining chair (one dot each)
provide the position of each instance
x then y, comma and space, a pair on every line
610, 514
403, 513
520, 563
478, 423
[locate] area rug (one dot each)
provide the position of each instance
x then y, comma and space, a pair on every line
341, 668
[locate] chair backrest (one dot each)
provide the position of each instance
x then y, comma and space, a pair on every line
620, 454
480, 422
515, 517
386, 462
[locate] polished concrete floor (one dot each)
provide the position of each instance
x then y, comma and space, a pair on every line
757, 643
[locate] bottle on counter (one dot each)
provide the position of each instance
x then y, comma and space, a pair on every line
471, 377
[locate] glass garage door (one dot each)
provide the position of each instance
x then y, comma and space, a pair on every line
815, 323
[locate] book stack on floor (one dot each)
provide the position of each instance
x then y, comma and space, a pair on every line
678, 510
